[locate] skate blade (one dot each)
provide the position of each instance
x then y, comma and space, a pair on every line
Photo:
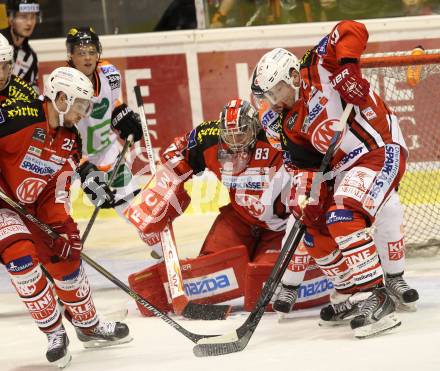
406, 307
387, 323
283, 317
99, 343
342, 322
64, 361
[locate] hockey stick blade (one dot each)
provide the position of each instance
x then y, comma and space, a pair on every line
207, 312
229, 343
237, 340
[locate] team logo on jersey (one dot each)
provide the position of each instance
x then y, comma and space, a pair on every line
108, 69
2, 117
38, 166
35, 151
192, 140
100, 108
321, 49
39, 134
323, 134
318, 108
29, 190
291, 122
369, 113
252, 203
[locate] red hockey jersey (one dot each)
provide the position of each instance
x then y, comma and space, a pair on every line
37, 161
371, 125
256, 193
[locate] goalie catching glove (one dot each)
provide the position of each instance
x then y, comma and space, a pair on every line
126, 122
68, 245
95, 187
350, 84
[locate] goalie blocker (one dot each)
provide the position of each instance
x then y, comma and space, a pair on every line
223, 276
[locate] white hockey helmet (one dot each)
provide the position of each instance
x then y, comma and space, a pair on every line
77, 87
273, 68
6, 50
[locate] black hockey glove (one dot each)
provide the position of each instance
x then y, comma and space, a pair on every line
126, 122
95, 187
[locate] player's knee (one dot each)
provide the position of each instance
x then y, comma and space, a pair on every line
344, 222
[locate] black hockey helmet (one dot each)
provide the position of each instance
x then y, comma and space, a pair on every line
82, 36
23, 6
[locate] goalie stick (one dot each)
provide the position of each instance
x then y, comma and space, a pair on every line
180, 302
138, 298
237, 340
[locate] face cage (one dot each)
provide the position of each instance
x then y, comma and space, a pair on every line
241, 138
233, 162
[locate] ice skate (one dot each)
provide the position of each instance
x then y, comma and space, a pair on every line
377, 314
403, 295
104, 334
342, 309
57, 350
286, 299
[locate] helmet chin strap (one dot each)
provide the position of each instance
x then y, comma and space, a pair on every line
61, 114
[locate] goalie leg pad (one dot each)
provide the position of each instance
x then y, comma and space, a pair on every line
32, 285
314, 290
207, 279
149, 285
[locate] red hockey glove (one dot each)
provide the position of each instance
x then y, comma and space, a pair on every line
310, 208
350, 84
160, 202
68, 245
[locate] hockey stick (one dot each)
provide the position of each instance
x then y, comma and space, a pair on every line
181, 304
237, 340
138, 298
121, 157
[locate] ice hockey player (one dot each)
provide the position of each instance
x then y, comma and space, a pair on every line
388, 231
23, 15
100, 143
12, 87
40, 150
247, 234
368, 164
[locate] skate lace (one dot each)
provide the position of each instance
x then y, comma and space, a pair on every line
55, 339
397, 284
369, 305
287, 295
105, 328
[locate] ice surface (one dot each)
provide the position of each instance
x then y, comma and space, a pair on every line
296, 344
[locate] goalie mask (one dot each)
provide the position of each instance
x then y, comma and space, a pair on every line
239, 126
272, 78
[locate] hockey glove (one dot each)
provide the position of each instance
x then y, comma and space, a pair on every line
350, 84
161, 201
306, 204
126, 122
68, 245
95, 187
